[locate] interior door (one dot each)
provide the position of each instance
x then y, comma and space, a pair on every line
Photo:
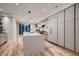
52, 25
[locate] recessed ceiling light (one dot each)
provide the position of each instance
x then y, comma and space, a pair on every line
45, 10
1, 9
17, 3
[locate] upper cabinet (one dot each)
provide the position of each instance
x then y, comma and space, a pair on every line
69, 28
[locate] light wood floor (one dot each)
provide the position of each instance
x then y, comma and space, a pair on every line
12, 48
15, 48
55, 50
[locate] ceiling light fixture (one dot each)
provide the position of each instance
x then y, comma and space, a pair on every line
56, 6
17, 3
29, 12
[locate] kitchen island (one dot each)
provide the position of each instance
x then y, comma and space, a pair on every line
32, 42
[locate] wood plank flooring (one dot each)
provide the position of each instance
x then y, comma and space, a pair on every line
55, 50
12, 48
15, 48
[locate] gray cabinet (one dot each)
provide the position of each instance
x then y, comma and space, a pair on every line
61, 28
69, 28
77, 28
52, 25
3, 38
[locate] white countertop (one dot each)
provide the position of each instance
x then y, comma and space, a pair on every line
31, 34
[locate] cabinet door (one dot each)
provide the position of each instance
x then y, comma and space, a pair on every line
53, 30
77, 28
61, 28
49, 30
69, 28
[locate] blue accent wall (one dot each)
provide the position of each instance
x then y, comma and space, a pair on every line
23, 28
20, 30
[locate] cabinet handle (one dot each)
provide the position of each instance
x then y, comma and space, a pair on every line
50, 31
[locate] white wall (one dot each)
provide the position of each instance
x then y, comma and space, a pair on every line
14, 29
33, 28
7, 26
17, 28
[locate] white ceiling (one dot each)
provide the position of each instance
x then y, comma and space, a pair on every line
39, 11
